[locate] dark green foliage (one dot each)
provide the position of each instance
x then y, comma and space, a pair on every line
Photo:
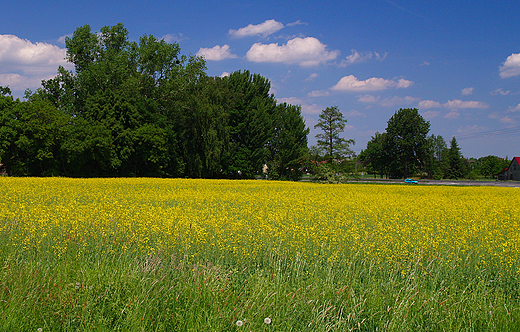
457, 167
374, 156
490, 166
142, 109
406, 142
332, 123
289, 143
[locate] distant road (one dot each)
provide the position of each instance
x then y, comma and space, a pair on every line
512, 184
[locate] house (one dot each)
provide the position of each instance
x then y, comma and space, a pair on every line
512, 172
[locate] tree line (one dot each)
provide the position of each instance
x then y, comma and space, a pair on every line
143, 109
405, 149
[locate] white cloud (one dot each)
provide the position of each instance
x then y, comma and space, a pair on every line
430, 114
502, 118
311, 109
216, 53
24, 64
452, 115
354, 113
457, 104
369, 99
394, 101
171, 37
18, 54
17, 82
452, 104
302, 51
263, 29
311, 77
467, 91
296, 23
357, 57
514, 109
318, 93
429, 104
501, 91
387, 102
290, 100
224, 74
61, 40
351, 83
511, 67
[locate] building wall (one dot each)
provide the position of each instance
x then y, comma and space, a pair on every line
513, 172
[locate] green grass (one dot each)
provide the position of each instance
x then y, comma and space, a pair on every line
169, 291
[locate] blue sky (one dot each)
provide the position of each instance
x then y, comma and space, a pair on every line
457, 61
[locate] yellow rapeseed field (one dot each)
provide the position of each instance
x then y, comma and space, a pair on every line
247, 220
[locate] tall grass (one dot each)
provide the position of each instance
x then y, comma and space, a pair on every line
186, 255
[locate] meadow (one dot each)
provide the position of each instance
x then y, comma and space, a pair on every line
217, 255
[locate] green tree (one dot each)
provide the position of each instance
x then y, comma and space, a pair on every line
436, 164
374, 156
288, 146
332, 123
31, 133
250, 123
406, 142
457, 167
490, 166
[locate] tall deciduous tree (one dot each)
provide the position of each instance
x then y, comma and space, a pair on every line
374, 156
332, 124
288, 146
406, 142
250, 122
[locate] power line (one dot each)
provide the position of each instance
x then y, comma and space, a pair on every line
490, 133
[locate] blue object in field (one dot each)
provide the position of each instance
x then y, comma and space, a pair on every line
411, 181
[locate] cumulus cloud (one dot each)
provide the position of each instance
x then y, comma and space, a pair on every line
452, 115
290, 100
224, 74
216, 53
429, 104
369, 99
17, 82
506, 119
430, 114
263, 29
357, 57
18, 54
24, 64
458, 104
467, 91
171, 37
61, 40
302, 51
309, 109
352, 83
514, 109
318, 93
452, 104
511, 67
387, 102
